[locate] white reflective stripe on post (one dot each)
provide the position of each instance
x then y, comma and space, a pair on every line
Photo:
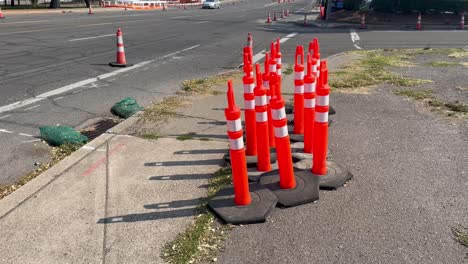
299, 75
321, 117
278, 114
278, 60
323, 100
234, 125
309, 88
278, 71
272, 67
249, 88
314, 68
261, 117
299, 89
236, 144
281, 132
309, 103
261, 100
268, 98
266, 84
120, 40
249, 104
120, 49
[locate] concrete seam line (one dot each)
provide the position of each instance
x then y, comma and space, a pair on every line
54, 177
72, 86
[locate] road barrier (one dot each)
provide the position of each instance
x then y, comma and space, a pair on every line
261, 113
320, 147
309, 106
299, 91
135, 5
419, 23
121, 61
278, 57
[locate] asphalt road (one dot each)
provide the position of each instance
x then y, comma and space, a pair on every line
53, 66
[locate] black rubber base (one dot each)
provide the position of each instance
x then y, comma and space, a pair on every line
254, 175
115, 64
223, 206
306, 190
290, 110
252, 160
337, 175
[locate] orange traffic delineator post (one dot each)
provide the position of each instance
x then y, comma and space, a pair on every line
266, 85
234, 204
268, 18
1, 14
462, 21
248, 67
363, 21
419, 23
309, 106
121, 61
249, 40
164, 7
274, 16
261, 111
316, 50
90, 10
279, 56
321, 123
282, 14
273, 62
249, 108
299, 91
287, 12
292, 187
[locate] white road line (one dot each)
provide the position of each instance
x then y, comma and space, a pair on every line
95, 37
72, 86
4, 116
32, 107
259, 56
58, 98
202, 22
5, 131
25, 135
59, 20
30, 141
267, 5
355, 38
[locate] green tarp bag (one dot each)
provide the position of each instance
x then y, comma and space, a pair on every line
126, 108
59, 135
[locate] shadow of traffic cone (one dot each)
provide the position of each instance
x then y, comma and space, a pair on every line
1, 14
121, 61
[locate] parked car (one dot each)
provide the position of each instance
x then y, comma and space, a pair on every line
211, 4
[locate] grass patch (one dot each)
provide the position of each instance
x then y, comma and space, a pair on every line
58, 154
288, 70
442, 64
202, 239
457, 106
206, 86
204, 139
186, 136
460, 234
372, 70
417, 95
151, 136
163, 110
459, 54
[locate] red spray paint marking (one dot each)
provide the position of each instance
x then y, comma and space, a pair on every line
102, 160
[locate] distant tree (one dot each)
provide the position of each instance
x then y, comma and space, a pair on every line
54, 4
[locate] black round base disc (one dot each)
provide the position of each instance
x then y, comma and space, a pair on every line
254, 175
337, 175
223, 206
252, 160
306, 190
115, 64
289, 109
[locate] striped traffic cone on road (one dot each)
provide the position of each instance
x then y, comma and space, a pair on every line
90, 10
1, 14
268, 18
418, 24
462, 21
121, 61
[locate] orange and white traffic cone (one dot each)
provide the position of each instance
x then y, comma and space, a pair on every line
164, 7
419, 23
280, 123
462, 21
266, 85
320, 147
268, 18
90, 10
299, 91
249, 40
282, 14
1, 14
121, 61
363, 21
287, 12
236, 151
261, 114
274, 16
